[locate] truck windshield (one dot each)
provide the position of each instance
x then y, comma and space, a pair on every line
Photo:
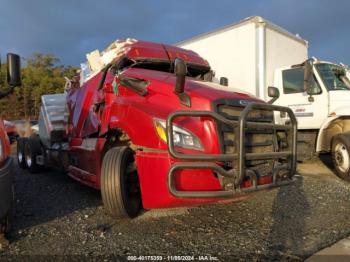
193, 70
333, 76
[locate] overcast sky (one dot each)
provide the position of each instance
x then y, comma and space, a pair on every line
71, 28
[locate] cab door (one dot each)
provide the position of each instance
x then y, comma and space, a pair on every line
309, 111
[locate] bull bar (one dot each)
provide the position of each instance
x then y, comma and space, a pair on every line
207, 161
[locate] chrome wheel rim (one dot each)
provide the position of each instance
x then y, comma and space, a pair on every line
342, 158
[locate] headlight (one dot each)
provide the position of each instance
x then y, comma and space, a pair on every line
181, 137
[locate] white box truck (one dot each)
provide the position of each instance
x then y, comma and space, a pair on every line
264, 59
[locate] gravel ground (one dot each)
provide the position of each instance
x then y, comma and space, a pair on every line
57, 216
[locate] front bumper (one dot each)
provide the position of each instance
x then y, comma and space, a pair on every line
6, 187
234, 180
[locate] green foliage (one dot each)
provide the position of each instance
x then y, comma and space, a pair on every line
41, 74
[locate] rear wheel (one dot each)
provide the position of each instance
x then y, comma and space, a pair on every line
21, 142
341, 156
120, 187
33, 149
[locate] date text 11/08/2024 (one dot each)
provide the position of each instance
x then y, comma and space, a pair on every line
172, 258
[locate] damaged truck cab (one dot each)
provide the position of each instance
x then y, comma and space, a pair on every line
149, 129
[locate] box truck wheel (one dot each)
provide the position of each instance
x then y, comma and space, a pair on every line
120, 187
20, 152
341, 155
32, 149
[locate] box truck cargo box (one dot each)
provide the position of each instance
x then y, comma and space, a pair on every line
248, 52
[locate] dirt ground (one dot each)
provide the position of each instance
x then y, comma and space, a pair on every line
56, 216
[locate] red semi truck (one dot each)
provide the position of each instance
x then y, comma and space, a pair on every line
6, 162
150, 130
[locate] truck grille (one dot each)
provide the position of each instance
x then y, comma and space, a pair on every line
257, 140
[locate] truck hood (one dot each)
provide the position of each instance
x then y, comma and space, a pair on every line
213, 90
202, 93
339, 102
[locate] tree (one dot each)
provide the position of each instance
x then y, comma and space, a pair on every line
41, 75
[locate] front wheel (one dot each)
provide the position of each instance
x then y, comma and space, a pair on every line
120, 188
341, 156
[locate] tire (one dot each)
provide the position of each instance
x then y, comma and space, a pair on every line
120, 189
21, 142
32, 149
341, 156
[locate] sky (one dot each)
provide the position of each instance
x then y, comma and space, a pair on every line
71, 28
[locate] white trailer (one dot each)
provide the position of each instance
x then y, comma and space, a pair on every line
261, 58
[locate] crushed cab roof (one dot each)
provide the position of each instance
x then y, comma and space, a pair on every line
140, 50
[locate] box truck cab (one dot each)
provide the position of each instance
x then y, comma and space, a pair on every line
327, 96
255, 53
319, 94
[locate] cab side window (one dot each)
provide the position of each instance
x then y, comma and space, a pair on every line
293, 81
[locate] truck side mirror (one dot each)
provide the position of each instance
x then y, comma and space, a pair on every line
13, 70
307, 76
180, 72
274, 93
224, 81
